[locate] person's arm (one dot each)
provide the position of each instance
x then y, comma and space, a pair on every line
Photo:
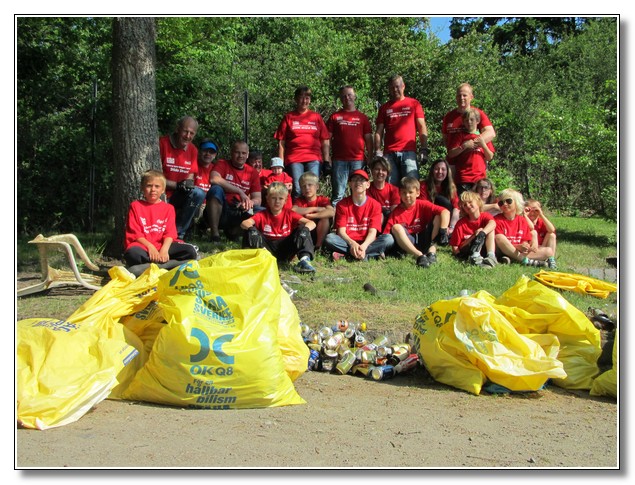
247, 223
164, 252
488, 154
548, 224
281, 149
370, 237
255, 199
368, 148
422, 131
326, 151
488, 133
309, 224
379, 135
216, 179
153, 252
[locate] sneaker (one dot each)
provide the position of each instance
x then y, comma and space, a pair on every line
505, 260
423, 262
489, 262
432, 257
476, 259
304, 266
477, 244
215, 239
551, 263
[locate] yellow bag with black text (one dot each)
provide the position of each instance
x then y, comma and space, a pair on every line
466, 342
220, 348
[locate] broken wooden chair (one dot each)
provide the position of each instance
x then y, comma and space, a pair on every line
52, 277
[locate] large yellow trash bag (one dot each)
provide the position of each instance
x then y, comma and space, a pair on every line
64, 369
465, 342
295, 353
576, 282
533, 308
220, 348
145, 324
606, 383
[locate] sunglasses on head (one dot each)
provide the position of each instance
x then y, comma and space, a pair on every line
505, 201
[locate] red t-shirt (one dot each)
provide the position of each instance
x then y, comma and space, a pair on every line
277, 227
541, 229
283, 177
264, 173
423, 194
358, 219
246, 178
302, 135
469, 165
177, 163
453, 125
414, 218
320, 201
400, 124
202, 177
348, 129
466, 227
517, 230
154, 222
387, 197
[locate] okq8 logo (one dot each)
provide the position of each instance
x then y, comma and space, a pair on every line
216, 348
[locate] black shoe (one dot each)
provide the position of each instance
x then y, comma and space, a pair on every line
215, 239
423, 262
442, 238
477, 244
432, 257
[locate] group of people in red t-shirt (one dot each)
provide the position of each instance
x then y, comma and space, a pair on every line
393, 211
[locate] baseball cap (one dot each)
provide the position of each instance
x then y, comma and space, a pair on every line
206, 145
277, 162
360, 172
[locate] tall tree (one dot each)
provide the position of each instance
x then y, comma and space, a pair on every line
134, 124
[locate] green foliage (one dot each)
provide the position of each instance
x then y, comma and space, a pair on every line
549, 85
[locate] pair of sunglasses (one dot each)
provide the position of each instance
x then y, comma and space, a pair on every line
505, 201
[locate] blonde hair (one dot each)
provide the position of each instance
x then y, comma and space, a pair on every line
410, 183
469, 196
278, 189
516, 196
309, 177
472, 111
152, 174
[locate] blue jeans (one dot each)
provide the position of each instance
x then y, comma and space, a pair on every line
339, 179
186, 204
402, 164
297, 169
335, 243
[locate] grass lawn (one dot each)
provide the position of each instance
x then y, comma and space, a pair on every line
337, 291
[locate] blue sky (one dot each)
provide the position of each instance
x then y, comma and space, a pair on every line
441, 27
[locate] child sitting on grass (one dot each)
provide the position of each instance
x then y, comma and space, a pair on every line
473, 234
544, 229
281, 231
381, 190
415, 224
317, 208
513, 234
151, 230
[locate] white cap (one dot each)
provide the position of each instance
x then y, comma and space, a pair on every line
277, 162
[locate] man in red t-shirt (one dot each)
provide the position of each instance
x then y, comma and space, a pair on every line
399, 122
234, 192
180, 166
351, 139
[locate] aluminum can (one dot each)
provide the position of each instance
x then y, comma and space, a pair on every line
313, 346
361, 327
408, 364
399, 355
381, 373
349, 333
360, 339
384, 351
342, 325
363, 369
368, 356
305, 330
314, 357
381, 340
334, 341
346, 363
325, 332
329, 360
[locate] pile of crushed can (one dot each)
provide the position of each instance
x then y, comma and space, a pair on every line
344, 348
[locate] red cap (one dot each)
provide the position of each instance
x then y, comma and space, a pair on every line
360, 172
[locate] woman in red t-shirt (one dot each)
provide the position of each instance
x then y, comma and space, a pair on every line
439, 189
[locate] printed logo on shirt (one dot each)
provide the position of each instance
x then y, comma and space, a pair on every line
229, 177
169, 161
267, 228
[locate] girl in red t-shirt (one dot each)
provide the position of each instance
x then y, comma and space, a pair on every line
544, 229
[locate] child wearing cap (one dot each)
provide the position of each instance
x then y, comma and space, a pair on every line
278, 175
316, 207
358, 223
281, 231
416, 223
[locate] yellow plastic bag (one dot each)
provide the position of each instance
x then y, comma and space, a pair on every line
576, 282
606, 383
464, 342
64, 369
145, 324
533, 308
295, 352
220, 348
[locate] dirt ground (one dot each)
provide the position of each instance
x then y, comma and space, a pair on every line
409, 421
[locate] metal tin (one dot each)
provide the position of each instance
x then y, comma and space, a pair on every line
349, 333
368, 356
329, 360
305, 330
360, 339
342, 325
345, 364
381, 373
384, 351
361, 327
317, 347
381, 360
315, 338
314, 357
381, 340
407, 364
325, 332
363, 369
334, 340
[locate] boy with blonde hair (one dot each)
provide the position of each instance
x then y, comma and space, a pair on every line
317, 208
283, 232
474, 232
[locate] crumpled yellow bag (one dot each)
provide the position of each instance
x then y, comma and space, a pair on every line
533, 308
606, 383
578, 283
220, 348
64, 369
464, 342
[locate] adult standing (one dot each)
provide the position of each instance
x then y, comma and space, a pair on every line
399, 122
303, 139
234, 192
180, 166
453, 128
351, 139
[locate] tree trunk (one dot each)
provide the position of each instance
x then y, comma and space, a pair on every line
134, 115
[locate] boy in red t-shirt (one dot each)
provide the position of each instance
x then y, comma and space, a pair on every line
474, 232
151, 230
317, 208
281, 231
415, 223
278, 175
